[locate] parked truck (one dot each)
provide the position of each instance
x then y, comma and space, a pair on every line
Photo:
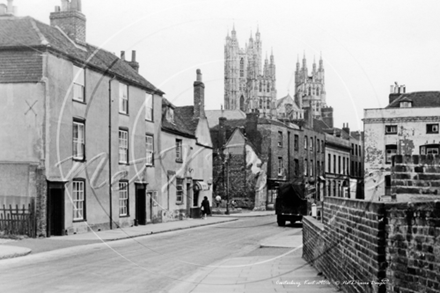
291, 203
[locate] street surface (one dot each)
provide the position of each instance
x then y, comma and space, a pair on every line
146, 264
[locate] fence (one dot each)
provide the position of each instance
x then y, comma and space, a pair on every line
18, 221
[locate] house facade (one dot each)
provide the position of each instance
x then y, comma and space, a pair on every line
185, 158
75, 137
409, 125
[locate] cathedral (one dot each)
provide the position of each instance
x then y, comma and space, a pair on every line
310, 90
249, 86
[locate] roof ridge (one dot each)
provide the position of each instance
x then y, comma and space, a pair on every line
43, 40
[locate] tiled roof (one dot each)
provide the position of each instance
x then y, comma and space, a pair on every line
27, 33
232, 124
419, 99
187, 115
179, 126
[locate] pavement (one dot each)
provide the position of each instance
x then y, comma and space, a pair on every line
277, 266
10, 248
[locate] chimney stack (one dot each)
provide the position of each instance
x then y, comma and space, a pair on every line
133, 63
123, 55
71, 20
396, 91
199, 96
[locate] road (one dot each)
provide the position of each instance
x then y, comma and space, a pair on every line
145, 264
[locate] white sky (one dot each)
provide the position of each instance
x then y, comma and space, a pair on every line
366, 45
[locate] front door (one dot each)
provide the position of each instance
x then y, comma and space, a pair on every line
55, 209
141, 216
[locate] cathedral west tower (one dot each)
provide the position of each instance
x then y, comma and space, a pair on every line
310, 90
249, 85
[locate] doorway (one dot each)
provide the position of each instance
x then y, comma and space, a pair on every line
141, 217
55, 209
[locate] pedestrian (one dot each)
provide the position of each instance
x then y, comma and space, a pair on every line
206, 210
218, 200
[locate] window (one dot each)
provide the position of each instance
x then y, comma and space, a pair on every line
352, 149
405, 104
280, 138
179, 157
322, 146
305, 142
148, 107
123, 98
179, 190
280, 166
311, 144
296, 161
306, 167
334, 164
339, 164
123, 198
78, 140
356, 151
329, 159
170, 115
123, 146
78, 84
296, 142
78, 200
149, 150
317, 145
390, 150
268, 87
432, 128
343, 166
387, 185
390, 129
311, 168
268, 104
241, 67
430, 149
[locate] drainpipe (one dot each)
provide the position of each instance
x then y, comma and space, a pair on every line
110, 151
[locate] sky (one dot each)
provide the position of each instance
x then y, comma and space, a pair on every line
366, 46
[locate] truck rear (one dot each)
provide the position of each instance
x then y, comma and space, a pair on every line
290, 204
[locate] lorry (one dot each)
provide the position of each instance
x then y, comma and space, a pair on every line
291, 203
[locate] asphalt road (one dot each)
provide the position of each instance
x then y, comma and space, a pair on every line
146, 264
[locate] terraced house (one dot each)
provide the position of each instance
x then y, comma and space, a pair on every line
75, 117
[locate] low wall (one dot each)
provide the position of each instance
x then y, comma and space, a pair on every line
375, 246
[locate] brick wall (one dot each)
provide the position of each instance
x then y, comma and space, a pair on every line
413, 247
415, 177
361, 243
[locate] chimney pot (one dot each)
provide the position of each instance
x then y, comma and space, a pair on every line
133, 56
123, 55
199, 75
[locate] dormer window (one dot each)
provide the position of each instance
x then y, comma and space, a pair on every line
170, 115
406, 104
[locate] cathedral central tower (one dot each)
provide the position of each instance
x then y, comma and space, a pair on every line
249, 86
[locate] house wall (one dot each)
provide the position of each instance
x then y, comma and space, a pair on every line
336, 147
94, 169
411, 134
21, 140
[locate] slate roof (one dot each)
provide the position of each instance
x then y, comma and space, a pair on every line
288, 99
419, 99
319, 125
27, 33
214, 115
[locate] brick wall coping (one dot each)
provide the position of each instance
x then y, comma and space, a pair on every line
309, 220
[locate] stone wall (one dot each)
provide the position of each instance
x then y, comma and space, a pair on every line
375, 246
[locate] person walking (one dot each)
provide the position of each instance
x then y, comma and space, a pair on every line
206, 210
